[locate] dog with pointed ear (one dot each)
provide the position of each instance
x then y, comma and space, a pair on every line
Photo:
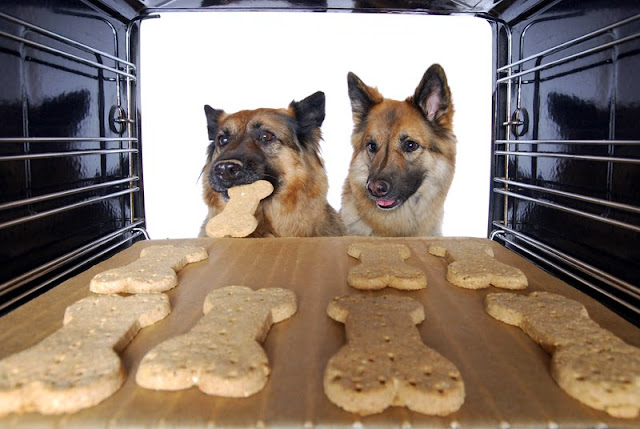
281, 146
403, 159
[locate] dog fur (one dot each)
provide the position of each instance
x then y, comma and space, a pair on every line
403, 159
283, 147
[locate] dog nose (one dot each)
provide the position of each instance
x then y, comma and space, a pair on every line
227, 171
378, 188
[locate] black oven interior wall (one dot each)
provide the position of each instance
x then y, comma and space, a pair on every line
567, 149
70, 181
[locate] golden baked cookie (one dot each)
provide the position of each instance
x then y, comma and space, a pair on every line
78, 366
383, 265
155, 270
385, 362
472, 265
221, 355
590, 363
237, 218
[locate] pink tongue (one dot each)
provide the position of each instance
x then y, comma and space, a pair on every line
385, 203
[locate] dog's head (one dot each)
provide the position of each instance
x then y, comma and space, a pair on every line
401, 145
261, 144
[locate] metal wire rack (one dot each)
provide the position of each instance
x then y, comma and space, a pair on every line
536, 168
111, 155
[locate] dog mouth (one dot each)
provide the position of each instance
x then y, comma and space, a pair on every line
230, 173
382, 192
388, 204
224, 190
389, 194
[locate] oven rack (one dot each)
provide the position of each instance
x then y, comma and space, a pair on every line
520, 189
113, 151
62, 266
626, 296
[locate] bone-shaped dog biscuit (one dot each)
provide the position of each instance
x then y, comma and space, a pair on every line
77, 366
385, 361
472, 265
590, 363
383, 265
221, 354
154, 271
237, 218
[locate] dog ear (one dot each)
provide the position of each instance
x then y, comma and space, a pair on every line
309, 114
310, 111
213, 117
433, 97
362, 97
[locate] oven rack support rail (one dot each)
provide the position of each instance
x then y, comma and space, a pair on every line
118, 144
518, 151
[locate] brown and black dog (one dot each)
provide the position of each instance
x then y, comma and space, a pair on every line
281, 146
403, 159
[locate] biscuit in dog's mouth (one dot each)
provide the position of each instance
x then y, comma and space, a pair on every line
225, 195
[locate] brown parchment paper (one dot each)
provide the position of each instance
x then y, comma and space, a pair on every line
506, 374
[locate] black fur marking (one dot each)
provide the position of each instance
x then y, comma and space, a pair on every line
309, 115
391, 116
360, 126
361, 102
252, 168
213, 116
402, 184
435, 149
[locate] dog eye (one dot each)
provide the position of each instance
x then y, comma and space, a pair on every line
266, 136
223, 140
410, 146
372, 147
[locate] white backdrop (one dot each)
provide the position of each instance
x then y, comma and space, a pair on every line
245, 60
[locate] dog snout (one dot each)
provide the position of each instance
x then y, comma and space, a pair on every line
379, 188
227, 171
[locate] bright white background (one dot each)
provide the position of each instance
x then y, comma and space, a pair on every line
234, 61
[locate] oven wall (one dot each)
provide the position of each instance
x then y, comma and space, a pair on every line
70, 179
567, 142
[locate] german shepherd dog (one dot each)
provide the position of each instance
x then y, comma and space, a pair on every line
281, 146
403, 159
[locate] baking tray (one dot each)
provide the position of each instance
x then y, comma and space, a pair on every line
506, 374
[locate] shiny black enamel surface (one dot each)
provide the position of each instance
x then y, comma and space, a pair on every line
45, 95
594, 97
